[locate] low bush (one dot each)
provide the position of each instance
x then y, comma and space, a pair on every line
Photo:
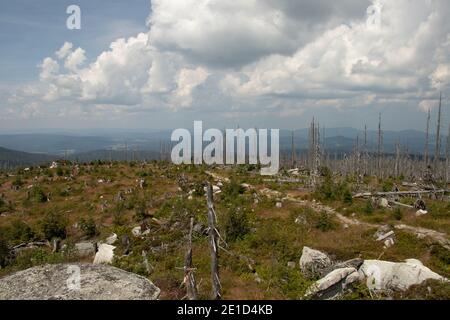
53, 225
88, 227
236, 224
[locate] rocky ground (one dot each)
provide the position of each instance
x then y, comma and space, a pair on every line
280, 238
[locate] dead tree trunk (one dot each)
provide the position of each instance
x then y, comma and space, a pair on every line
438, 138
189, 279
399, 193
397, 159
447, 157
379, 148
213, 238
427, 137
292, 151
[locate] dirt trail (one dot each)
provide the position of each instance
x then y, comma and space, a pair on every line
440, 237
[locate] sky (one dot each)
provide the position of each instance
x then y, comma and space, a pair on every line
267, 63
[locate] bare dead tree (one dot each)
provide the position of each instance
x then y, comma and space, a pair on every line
189, 279
213, 239
397, 159
437, 154
292, 150
379, 147
447, 156
148, 267
427, 137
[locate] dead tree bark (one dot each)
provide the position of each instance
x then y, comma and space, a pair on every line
397, 159
447, 157
189, 279
213, 238
292, 151
438, 138
399, 193
379, 148
147, 265
427, 137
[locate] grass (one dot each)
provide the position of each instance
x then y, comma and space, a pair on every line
83, 205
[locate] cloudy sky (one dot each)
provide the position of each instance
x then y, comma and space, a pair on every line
265, 63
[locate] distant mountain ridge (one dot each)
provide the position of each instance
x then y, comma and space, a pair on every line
27, 149
12, 158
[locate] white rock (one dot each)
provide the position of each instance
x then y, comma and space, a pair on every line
136, 231
111, 239
105, 254
313, 261
389, 242
97, 282
333, 279
386, 235
352, 278
301, 220
384, 203
384, 229
385, 275
421, 213
279, 205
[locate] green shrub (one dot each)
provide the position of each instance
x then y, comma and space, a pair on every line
236, 224
4, 251
119, 218
88, 227
332, 191
59, 172
325, 222
369, 209
140, 211
397, 214
53, 225
428, 290
388, 185
18, 182
37, 194
19, 232
233, 189
347, 197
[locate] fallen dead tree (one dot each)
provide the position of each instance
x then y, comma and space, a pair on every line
396, 203
398, 193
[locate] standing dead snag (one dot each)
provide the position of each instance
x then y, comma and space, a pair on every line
189, 279
447, 157
213, 238
380, 147
437, 154
427, 137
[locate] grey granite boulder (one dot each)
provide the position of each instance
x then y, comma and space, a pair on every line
76, 282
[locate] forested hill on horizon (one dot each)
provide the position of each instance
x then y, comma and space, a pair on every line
73, 143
